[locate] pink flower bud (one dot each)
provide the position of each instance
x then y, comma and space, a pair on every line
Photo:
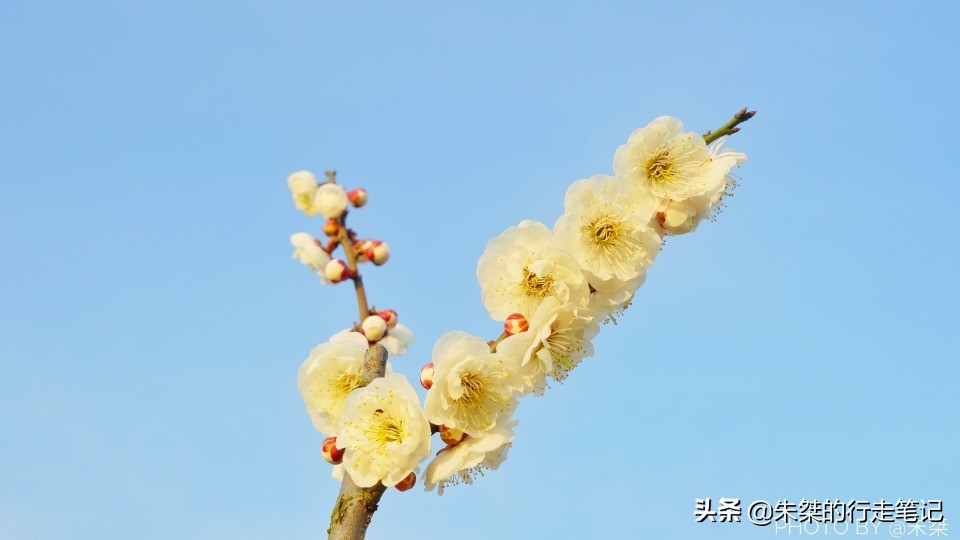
378, 253
331, 453
451, 436
426, 376
358, 197
337, 271
390, 316
331, 227
515, 324
374, 328
408, 482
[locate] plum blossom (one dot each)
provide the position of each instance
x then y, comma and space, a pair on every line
473, 389
522, 267
383, 432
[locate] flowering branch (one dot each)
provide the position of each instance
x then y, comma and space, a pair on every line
550, 288
730, 127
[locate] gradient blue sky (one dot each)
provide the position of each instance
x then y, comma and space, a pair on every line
803, 346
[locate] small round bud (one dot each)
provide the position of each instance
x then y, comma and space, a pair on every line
374, 328
451, 436
331, 227
515, 324
426, 376
378, 253
408, 482
358, 197
337, 271
390, 316
331, 453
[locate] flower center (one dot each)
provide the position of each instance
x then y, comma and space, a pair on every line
305, 200
348, 382
385, 428
472, 385
603, 231
534, 285
659, 167
561, 344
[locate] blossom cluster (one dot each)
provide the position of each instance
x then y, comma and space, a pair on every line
550, 287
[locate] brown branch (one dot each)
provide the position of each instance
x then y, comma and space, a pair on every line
355, 505
352, 263
344, 237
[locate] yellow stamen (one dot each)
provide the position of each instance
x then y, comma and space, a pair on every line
534, 285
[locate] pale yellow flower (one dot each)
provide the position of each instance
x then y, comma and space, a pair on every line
606, 227
473, 389
328, 375
522, 267
557, 340
383, 432
470, 458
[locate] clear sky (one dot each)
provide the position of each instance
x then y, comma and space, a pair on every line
802, 346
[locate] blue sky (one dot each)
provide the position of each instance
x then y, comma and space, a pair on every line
802, 346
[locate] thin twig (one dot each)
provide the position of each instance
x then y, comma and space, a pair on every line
730, 127
344, 237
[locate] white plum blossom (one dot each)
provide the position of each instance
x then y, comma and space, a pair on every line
303, 186
606, 227
522, 267
473, 389
681, 217
328, 375
558, 339
383, 432
308, 251
331, 200
664, 161
462, 462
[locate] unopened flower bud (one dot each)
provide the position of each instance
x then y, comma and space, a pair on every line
426, 376
358, 197
515, 324
331, 227
408, 482
680, 217
337, 271
374, 328
390, 316
378, 253
331, 453
451, 436
331, 200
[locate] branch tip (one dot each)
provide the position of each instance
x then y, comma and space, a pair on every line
730, 127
